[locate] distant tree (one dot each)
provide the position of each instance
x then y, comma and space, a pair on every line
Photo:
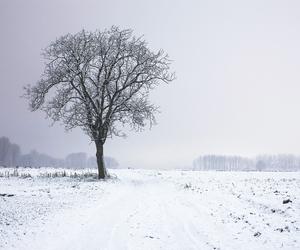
260, 165
98, 81
30, 159
36, 159
9, 153
15, 154
222, 162
92, 162
76, 160
4, 150
111, 162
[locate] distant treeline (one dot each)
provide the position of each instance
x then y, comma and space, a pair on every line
11, 155
281, 162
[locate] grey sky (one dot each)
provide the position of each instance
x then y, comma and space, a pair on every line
237, 65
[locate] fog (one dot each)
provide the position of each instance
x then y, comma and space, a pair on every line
237, 65
11, 156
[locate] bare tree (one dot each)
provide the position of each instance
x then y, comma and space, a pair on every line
99, 81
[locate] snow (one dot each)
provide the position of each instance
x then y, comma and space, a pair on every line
150, 209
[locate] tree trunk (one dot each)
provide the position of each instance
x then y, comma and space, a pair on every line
100, 161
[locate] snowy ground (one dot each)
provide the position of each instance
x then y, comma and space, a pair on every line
151, 210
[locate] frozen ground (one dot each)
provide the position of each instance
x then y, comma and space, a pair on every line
151, 210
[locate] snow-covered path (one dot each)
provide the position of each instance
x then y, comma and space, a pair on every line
178, 210
146, 213
141, 215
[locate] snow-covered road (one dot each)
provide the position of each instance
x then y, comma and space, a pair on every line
173, 210
142, 214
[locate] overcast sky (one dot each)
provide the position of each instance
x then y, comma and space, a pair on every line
237, 64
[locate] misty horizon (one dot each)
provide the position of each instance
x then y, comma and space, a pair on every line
11, 155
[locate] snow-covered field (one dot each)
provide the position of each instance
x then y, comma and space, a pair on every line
154, 209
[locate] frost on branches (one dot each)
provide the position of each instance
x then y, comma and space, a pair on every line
99, 81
